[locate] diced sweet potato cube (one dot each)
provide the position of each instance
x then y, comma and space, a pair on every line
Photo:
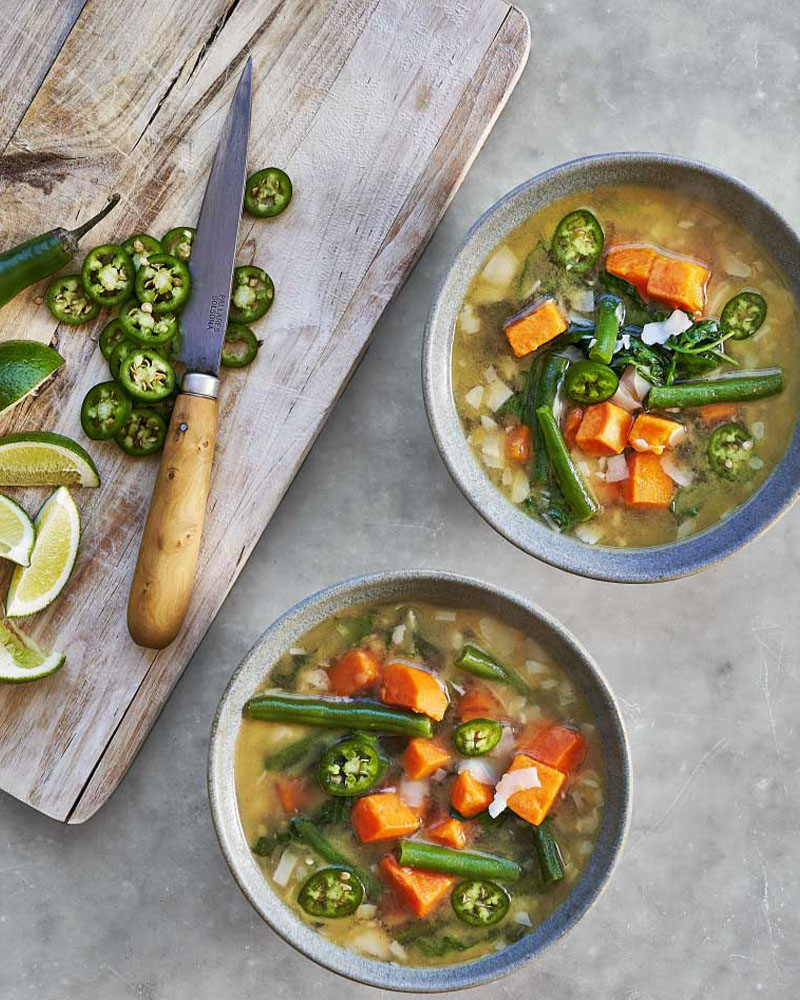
604, 429
383, 816
536, 325
717, 413
421, 890
571, 425
533, 804
479, 703
519, 444
647, 484
422, 757
633, 263
651, 433
411, 687
451, 832
559, 746
292, 793
468, 796
679, 282
357, 671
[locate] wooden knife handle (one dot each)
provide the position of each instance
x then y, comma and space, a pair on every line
164, 576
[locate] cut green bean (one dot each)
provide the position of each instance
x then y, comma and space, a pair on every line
305, 831
478, 662
331, 714
552, 372
549, 853
740, 388
609, 317
294, 756
577, 494
466, 864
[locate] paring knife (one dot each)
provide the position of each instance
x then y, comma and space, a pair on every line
164, 576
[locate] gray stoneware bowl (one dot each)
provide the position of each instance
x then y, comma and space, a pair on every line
454, 591
634, 565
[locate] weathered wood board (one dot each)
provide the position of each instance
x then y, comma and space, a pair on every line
376, 108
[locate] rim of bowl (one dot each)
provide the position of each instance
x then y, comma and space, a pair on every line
601, 562
455, 590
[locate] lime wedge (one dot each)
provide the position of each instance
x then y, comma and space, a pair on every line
24, 365
16, 532
22, 660
39, 458
58, 532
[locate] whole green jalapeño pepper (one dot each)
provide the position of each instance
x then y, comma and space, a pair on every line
29, 262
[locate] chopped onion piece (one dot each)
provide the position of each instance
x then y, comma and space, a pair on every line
398, 635
511, 782
474, 397
366, 911
659, 333
506, 744
317, 679
589, 533
641, 386
488, 424
758, 429
736, 267
582, 300
372, 942
468, 320
413, 793
497, 393
439, 775
284, 868
523, 918
519, 487
616, 469
676, 470
297, 651
481, 769
489, 374
501, 267
397, 950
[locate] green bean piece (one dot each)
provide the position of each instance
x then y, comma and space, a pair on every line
740, 388
293, 757
466, 864
478, 662
304, 830
573, 486
609, 317
327, 713
553, 367
548, 852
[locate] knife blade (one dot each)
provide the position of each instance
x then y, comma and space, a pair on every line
205, 317
163, 580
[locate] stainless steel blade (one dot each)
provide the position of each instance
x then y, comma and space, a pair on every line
205, 317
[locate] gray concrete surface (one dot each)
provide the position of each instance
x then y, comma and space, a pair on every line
138, 903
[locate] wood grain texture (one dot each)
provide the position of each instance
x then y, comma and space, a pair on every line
376, 108
163, 580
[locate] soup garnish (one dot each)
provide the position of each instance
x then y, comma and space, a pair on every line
427, 790
606, 356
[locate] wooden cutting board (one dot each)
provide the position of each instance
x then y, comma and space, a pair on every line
376, 108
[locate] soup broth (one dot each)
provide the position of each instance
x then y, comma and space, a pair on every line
644, 492
316, 824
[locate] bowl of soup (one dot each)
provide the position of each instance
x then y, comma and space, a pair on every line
611, 367
419, 780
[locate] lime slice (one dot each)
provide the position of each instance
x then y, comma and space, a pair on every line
22, 660
24, 365
16, 532
58, 532
40, 458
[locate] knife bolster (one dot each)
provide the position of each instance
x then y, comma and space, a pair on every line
200, 384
